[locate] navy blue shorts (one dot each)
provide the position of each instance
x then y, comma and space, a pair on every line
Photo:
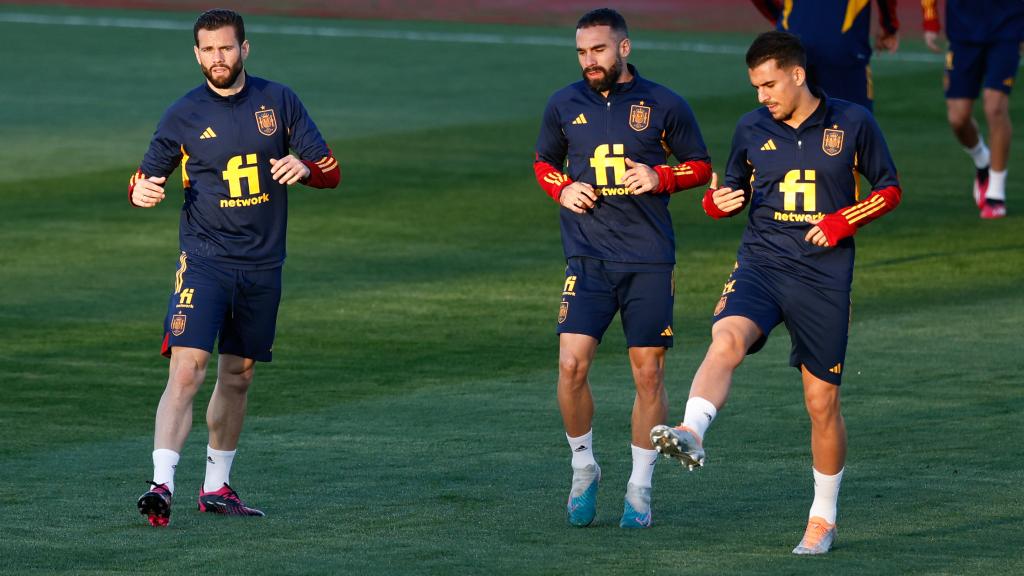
818, 320
239, 305
852, 83
595, 290
971, 66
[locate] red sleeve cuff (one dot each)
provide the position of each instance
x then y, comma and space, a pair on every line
844, 223
551, 180
325, 173
682, 176
712, 210
131, 186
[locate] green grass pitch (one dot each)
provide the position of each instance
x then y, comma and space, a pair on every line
408, 424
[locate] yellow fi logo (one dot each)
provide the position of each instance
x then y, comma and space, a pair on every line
601, 162
570, 286
239, 170
793, 185
185, 297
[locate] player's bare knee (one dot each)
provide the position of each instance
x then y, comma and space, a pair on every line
649, 379
823, 407
960, 119
572, 368
727, 349
237, 381
997, 111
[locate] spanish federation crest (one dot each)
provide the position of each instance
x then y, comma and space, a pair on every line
563, 311
266, 121
178, 324
639, 117
832, 141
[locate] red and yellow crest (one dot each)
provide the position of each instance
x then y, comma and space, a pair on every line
266, 121
832, 141
563, 311
639, 117
721, 305
178, 324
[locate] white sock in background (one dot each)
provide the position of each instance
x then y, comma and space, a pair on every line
979, 154
826, 495
164, 463
996, 185
582, 449
643, 466
218, 468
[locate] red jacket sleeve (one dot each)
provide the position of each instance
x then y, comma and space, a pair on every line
770, 9
887, 16
131, 185
682, 176
930, 13
844, 223
551, 179
324, 173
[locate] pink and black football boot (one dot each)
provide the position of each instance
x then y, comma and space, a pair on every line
225, 501
156, 505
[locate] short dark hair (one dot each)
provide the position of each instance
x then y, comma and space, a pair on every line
218, 18
783, 47
604, 17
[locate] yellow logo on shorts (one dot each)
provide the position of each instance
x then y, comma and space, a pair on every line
570, 286
185, 298
178, 324
563, 311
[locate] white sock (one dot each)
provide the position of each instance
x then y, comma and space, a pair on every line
643, 466
582, 449
979, 154
164, 463
826, 495
996, 185
218, 468
699, 415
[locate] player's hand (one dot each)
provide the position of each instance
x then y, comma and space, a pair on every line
640, 178
726, 199
887, 42
578, 197
148, 192
816, 236
288, 170
931, 40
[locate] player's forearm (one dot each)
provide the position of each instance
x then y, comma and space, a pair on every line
551, 179
682, 176
845, 223
325, 173
930, 13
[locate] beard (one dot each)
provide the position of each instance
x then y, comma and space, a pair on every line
606, 82
224, 82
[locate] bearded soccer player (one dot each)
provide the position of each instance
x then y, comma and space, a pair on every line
602, 156
794, 163
231, 137
984, 52
837, 37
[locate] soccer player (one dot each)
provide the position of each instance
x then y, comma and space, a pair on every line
836, 35
611, 133
231, 137
794, 162
984, 51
